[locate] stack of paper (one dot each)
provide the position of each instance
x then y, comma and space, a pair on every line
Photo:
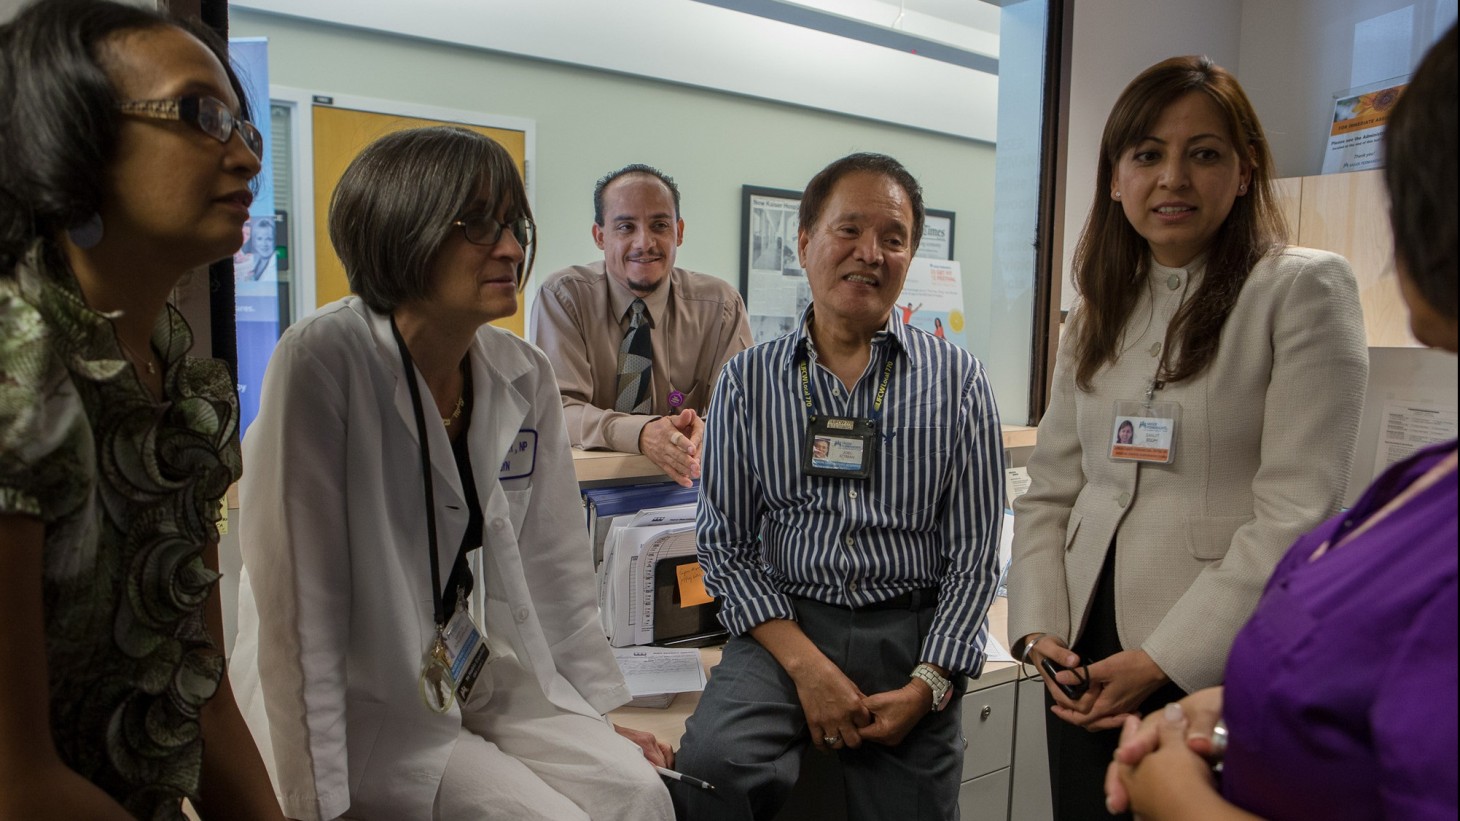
604, 507
655, 675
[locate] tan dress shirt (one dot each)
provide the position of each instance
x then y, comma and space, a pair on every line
579, 319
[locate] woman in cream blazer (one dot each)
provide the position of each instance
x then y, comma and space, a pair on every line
337, 609
1145, 570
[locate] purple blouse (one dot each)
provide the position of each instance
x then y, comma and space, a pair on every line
1341, 691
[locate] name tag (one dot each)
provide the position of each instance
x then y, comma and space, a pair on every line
521, 458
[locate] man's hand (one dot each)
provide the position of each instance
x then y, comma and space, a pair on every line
896, 712
833, 706
659, 753
673, 443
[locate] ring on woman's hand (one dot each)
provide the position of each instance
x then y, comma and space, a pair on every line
831, 739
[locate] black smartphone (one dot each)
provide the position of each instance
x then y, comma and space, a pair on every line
1073, 691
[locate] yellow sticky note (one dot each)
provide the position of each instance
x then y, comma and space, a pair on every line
223, 516
692, 585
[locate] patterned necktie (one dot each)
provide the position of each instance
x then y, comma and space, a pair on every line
635, 356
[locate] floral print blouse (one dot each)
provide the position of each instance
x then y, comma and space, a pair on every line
128, 489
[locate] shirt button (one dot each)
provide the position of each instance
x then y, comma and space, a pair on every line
499, 523
1155, 349
852, 493
852, 587
849, 541
1123, 499
521, 614
1173, 282
837, 392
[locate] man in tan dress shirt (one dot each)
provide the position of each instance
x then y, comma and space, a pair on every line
697, 322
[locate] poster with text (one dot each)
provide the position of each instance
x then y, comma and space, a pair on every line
932, 299
1356, 136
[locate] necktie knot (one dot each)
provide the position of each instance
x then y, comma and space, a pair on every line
639, 313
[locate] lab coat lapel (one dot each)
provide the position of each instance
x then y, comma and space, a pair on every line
451, 514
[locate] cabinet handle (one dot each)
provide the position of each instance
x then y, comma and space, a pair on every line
985, 713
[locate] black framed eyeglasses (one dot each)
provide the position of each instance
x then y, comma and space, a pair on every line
482, 228
207, 114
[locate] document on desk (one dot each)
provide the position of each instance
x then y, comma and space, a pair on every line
656, 674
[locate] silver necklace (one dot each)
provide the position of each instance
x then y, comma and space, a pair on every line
150, 364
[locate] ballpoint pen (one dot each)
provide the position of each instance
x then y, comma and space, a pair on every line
688, 779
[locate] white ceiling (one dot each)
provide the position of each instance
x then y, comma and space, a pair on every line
971, 25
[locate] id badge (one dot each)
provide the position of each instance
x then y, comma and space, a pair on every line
1145, 432
466, 651
839, 447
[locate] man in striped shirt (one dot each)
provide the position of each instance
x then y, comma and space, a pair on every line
848, 521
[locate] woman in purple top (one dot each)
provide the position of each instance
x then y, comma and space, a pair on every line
1341, 692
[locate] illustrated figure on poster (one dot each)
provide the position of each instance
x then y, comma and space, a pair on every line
938, 328
908, 310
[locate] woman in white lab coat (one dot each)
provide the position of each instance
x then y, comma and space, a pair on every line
347, 662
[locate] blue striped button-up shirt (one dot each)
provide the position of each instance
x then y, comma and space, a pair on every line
929, 515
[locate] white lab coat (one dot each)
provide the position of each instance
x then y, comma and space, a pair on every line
335, 603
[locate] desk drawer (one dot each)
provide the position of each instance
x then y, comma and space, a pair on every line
988, 726
985, 798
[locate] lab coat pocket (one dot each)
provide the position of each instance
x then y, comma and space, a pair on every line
518, 502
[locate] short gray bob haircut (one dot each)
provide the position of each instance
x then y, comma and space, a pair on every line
395, 205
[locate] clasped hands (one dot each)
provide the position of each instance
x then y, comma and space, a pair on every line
673, 443
1162, 768
1118, 684
839, 714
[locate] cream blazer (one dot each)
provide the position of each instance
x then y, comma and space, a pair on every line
1263, 452
335, 606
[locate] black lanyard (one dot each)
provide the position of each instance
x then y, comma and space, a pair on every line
876, 403
437, 604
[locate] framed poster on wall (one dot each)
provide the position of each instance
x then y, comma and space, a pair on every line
771, 279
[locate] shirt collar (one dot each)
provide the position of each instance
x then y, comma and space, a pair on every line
894, 331
620, 299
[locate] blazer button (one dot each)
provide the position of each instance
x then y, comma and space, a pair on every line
1123, 499
521, 614
499, 523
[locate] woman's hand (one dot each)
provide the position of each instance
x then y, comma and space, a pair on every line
1139, 739
659, 753
1171, 781
1118, 685
1048, 646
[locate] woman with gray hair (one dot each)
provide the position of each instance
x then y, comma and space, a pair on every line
418, 630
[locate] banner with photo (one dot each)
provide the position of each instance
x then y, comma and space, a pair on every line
256, 263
